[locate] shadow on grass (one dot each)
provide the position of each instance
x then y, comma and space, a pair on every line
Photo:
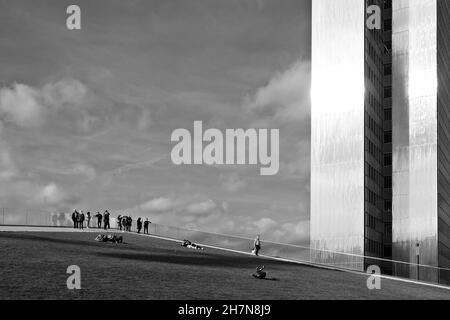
73, 242
192, 259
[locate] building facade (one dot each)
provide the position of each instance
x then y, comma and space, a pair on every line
350, 146
421, 138
380, 154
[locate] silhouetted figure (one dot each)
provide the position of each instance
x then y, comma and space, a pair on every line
99, 219
75, 218
146, 223
81, 220
139, 225
119, 222
88, 219
106, 220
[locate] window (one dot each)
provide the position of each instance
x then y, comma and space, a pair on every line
388, 69
388, 206
388, 159
388, 182
388, 137
388, 92
387, 4
388, 25
387, 114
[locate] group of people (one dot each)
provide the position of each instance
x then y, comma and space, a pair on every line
79, 218
139, 225
124, 222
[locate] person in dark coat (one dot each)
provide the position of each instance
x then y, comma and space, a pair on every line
119, 222
75, 218
99, 219
139, 225
106, 220
88, 219
146, 223
81, 220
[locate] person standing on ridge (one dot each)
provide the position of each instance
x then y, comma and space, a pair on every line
146, 223
99, 220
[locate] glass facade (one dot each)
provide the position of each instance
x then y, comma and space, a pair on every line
420, 136
443, 46
337, 134
380, 158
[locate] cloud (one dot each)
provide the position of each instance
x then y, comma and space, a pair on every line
52, 196
28, 107
20, 105
8, 169
158, 205
232, 182
201, 208
285, 98
83, 170
264, 224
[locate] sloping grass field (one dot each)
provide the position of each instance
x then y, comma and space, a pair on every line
33, 266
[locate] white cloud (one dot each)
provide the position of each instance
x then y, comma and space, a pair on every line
28, 107
232, 182
158, 205
201, 208
7, 166
264, 224
50, 195
285, 98
21, 106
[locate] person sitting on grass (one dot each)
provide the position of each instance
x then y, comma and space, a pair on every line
260, 274
191, 245
109, 238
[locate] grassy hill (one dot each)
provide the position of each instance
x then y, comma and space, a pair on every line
33, 266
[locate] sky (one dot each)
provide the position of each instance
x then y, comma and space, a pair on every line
86, 115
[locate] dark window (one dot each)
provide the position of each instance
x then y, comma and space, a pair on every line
388, 206
387, 251
387, 4
388, 25
388, 92
387, 69
387, 114
388, 137
388, 159
388, 182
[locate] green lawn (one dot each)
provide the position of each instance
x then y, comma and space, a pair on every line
33, 266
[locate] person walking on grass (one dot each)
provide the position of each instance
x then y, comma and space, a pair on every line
256, 245
146, 223
139, 225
